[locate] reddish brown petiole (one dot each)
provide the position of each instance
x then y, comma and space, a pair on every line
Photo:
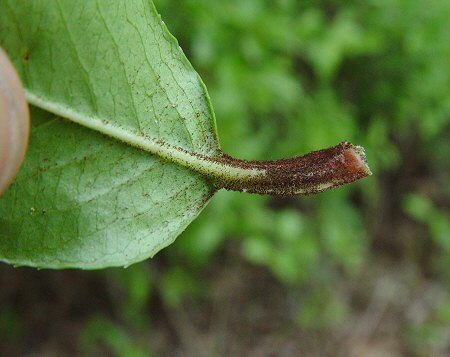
312, 173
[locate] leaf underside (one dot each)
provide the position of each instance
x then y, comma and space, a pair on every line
83, 199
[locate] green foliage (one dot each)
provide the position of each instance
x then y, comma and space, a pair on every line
322, 309
291, 76
102, 332
437, 223
134, 289
422, 209
432, 334
10, 325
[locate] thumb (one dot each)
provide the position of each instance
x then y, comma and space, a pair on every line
14, 122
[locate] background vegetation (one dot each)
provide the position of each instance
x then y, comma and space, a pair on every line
360, 271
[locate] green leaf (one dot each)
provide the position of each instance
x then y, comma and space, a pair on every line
83, 199
138, 156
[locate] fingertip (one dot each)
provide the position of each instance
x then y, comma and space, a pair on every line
14, 122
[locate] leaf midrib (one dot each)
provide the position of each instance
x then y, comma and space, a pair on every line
210, 166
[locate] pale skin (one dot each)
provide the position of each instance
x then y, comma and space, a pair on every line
14, 122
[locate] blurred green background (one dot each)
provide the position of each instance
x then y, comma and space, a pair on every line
360, 271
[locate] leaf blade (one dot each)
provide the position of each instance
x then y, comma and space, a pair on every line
82, 199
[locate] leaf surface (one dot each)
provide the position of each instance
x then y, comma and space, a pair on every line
84, 199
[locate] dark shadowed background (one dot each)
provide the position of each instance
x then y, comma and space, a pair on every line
360, 271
